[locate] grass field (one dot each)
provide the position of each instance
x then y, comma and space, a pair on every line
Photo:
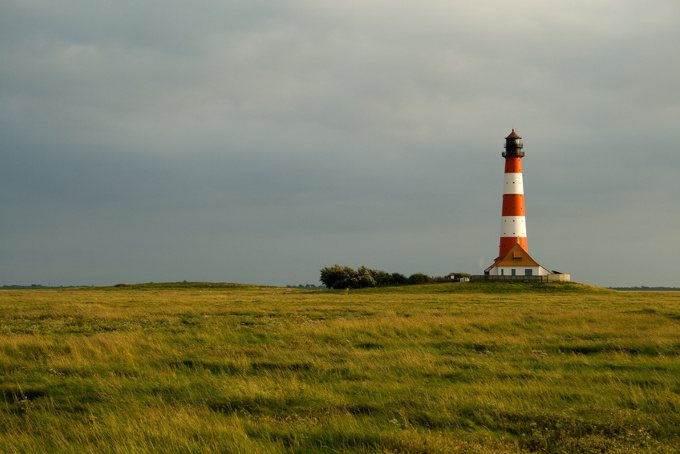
439, 368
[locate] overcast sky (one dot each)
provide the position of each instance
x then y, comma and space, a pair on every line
258, 141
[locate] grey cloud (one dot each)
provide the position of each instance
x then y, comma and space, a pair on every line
255, 141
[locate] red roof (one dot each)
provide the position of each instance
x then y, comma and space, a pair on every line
516, 256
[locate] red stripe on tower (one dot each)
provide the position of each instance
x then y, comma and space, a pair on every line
513, 222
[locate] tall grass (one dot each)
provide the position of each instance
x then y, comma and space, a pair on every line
441, 368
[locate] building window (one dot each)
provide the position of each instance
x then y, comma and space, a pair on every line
513, 272
528, 272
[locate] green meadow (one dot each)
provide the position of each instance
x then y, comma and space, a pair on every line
438, 368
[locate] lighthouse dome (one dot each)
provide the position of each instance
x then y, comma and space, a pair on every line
513, 135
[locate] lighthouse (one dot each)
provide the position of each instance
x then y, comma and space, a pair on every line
513, 261
513, 222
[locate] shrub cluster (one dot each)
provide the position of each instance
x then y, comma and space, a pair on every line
341, 277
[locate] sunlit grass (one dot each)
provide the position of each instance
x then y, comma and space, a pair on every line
441, 368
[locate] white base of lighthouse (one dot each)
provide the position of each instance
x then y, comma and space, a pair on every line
517, 264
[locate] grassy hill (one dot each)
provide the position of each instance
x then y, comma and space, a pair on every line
439, 368
437, 287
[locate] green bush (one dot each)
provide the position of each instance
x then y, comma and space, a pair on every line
342, 277
419, 278
398, 279
365, 277
339, 277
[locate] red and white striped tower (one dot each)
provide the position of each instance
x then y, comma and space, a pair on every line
513, 224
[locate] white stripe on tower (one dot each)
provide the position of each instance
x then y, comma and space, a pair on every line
514, 184
514, 226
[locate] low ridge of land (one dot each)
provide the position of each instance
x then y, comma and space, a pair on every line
460, 367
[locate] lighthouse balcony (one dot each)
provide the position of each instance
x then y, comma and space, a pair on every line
512, 152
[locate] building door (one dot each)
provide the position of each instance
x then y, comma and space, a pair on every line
513, 272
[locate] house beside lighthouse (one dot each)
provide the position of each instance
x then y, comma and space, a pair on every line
513, 261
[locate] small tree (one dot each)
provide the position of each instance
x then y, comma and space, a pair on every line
338, 277
364, 277
382, 279
398, 279
419, 278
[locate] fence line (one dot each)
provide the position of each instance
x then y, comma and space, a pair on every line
546, 278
